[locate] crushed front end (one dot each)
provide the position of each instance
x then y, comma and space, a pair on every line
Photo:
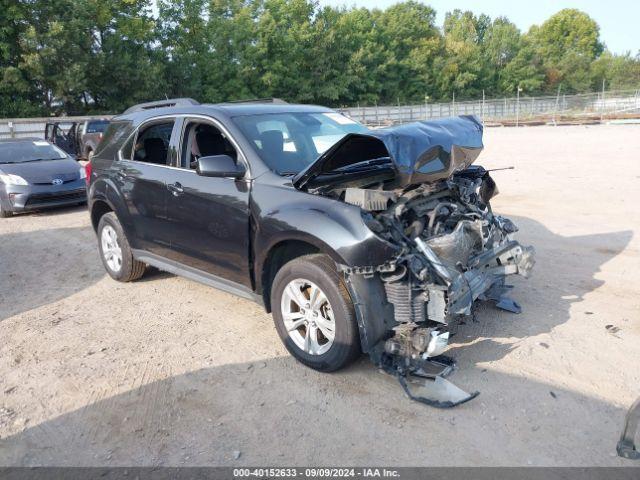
454, 251
417, 189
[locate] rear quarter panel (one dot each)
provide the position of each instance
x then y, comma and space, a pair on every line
102, 186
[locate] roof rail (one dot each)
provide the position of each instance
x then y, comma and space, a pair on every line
260, 100
169, 102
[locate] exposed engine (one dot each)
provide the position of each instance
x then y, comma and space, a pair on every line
417, 188
454, 250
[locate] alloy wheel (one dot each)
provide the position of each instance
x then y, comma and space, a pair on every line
111, 250
308, 316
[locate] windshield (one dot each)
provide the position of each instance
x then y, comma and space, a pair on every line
97, 126
21, 151
289, 142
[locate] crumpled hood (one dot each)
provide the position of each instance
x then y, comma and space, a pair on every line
421, 152
44, 171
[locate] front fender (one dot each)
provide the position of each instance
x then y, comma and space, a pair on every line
336, 229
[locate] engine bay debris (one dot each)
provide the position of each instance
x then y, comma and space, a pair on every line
454, 251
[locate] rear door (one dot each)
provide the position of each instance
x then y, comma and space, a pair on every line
142, 173
65, 138
209, 216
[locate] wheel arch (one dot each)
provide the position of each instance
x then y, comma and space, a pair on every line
98, 209
283, 250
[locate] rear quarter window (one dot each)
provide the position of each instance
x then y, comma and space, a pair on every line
114, 136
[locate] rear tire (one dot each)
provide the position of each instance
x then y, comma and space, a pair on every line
4, 213
322, 333
115, 251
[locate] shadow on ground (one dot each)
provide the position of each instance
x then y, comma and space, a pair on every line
278, 412
565, 271
44, 266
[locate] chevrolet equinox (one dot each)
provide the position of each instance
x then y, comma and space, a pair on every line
356, 240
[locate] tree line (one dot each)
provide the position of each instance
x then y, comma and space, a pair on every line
101, 56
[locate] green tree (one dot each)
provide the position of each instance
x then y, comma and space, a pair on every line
502, 43
567, 43
18, 96
462, 67
360, 43
618, 71
82, 56
411, 42
525, 70
89, 55
283, 43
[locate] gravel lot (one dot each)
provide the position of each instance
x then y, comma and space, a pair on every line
165, 371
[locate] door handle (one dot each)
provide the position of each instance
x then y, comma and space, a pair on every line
175, 188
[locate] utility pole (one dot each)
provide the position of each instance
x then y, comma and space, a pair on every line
518, 104
555, 111
482, 110
602, 104
453, 103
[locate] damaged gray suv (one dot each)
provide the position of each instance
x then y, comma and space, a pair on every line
357, 240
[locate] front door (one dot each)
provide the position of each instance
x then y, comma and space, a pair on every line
209, 216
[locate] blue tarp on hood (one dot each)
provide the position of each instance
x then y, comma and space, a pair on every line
421, 152
430, 150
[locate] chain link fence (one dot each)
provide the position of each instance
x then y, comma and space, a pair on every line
555, 110
583, 108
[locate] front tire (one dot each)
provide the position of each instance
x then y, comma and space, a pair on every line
115, 251
314, 314
4, 213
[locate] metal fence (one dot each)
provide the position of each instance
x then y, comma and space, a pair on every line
34, 127
515, 110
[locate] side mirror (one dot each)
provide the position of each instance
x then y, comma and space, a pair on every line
220, 166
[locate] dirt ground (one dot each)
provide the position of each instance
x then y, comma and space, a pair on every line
165, 371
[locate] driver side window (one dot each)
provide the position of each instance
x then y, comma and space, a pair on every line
200, 139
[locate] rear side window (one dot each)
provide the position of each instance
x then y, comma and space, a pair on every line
97, 126
152, 143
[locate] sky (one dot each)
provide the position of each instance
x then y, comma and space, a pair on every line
618, 19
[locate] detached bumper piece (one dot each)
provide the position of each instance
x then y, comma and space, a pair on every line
413, 356
432, 388
626, 446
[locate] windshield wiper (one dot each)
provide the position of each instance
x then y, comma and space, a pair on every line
40, 159
354, 167
364, 164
